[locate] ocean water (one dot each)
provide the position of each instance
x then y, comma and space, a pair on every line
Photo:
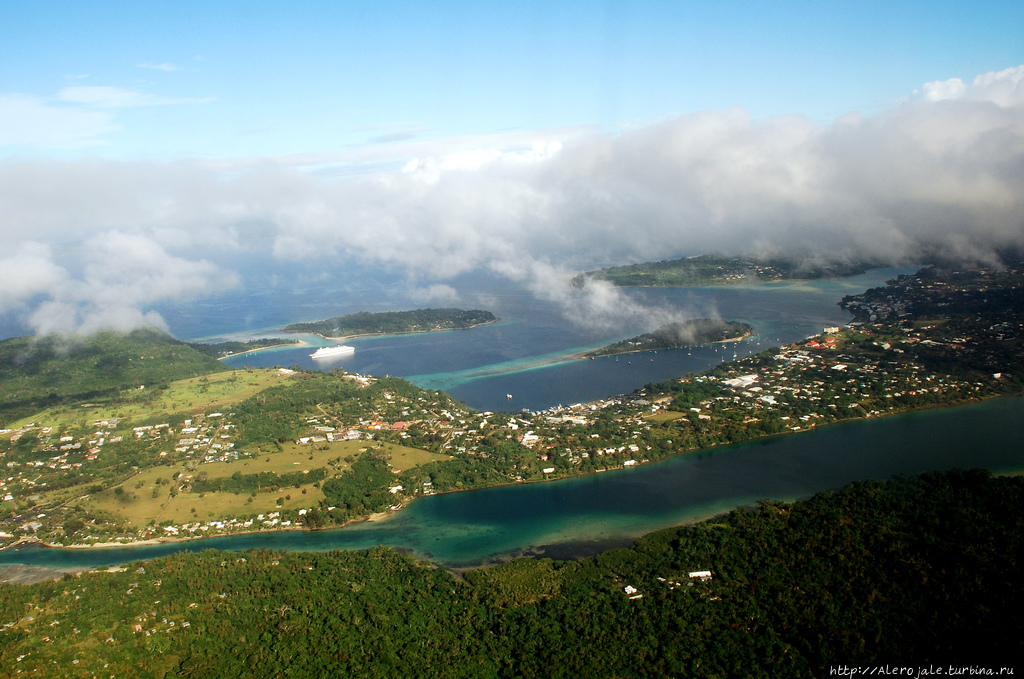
528, 354
585, 515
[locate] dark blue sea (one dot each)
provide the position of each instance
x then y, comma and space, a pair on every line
527, 354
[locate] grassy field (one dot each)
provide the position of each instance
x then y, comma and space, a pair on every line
43, 372
190, 507
403, 458
194, 395
141, 500
292, 455
664, 416
139, 506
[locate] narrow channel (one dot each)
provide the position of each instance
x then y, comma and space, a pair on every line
584, 515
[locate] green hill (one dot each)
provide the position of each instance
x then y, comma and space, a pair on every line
37, 373
691, 333
907, 572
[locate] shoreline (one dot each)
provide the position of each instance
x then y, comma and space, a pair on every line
290, 345
174, 539
23, 573
387, 514
682, 346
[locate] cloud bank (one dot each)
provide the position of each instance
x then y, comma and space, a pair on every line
940, 174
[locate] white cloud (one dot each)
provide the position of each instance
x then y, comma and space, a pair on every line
938, 90
78, 116
594, 304
458, 152
121, 275
434, 294
1005, 88
936, 174
30, 121
28, 271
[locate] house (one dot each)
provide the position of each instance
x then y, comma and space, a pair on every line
703, 575
529, 439
741, 382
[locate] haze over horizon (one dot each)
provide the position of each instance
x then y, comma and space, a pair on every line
159, 154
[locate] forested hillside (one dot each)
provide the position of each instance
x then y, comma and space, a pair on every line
38, 373
908, 572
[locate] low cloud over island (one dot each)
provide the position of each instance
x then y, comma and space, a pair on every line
90, 244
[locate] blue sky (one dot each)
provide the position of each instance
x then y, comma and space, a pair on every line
156, 153
244, 79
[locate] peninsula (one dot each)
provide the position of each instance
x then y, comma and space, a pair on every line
393, 322
119, 439
126, 438
227, 349
716, 270
690, 333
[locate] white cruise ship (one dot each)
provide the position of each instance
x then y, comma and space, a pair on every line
331, 352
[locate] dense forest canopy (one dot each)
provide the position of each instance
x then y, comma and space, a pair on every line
912, 571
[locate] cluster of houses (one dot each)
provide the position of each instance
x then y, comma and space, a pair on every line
858, 382
72, 453
266, 521
694, 576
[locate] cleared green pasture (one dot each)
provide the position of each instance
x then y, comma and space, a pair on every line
194, 395
664, 416
143, 508
292, 455
403, 458
139, 507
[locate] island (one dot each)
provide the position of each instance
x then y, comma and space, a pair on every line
689, 333
393, 322
121, 439
717, 270
127, 438
228, 349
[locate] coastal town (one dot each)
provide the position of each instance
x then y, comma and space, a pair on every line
267, 462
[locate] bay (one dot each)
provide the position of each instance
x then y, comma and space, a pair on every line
584, 515
529, 353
